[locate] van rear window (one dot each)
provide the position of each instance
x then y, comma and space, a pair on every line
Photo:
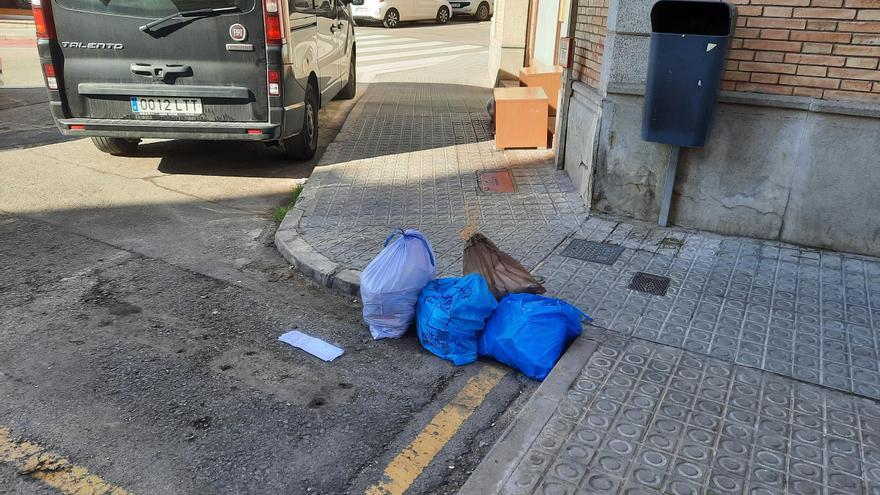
151, 8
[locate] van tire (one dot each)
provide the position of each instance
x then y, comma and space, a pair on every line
443, 15
304, 145
392, 19
116, 146
483, 14
350, 89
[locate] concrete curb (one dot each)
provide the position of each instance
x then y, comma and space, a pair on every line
490, 475
295, 248
299, 253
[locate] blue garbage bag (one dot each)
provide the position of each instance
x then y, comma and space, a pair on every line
451, 314
391, 283
529, 332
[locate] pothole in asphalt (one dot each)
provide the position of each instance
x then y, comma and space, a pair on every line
201, 423
317, 402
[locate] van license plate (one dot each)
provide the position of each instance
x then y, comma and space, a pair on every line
150, 105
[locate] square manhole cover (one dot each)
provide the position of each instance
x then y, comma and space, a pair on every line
597, 252
496, 181
651, 284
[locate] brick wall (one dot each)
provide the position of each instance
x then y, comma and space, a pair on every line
591, 28
826, 49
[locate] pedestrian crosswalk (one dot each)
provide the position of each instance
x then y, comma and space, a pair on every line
382, 54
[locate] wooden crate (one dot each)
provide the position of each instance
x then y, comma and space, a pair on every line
521, 118
547, 77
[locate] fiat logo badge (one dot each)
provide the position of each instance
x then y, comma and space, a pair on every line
237, 32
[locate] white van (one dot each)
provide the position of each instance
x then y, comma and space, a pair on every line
255, 70
392, 12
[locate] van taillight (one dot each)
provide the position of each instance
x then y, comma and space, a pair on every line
43, 19
51, 79
274, 82
273, 23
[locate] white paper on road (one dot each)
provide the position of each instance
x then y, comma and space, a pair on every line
314, 346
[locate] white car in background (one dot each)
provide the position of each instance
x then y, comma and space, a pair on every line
480, 10
392, 12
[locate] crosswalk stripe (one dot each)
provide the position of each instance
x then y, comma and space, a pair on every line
371, 36
414, 53
411, 64
396, 41
374, 49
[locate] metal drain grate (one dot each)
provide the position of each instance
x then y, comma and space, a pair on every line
496, 181
597, 252
651, 284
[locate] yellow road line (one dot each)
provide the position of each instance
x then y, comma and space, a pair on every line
410, 463
33, 460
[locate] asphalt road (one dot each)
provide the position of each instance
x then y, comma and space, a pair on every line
141, 299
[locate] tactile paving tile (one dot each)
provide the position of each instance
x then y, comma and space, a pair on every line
809, 314
596, 252
644, 418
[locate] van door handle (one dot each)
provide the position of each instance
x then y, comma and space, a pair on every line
161, 72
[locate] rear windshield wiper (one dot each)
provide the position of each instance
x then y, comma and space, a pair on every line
187, 13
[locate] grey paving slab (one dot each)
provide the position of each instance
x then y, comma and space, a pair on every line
809, 314
646, 418
409, 156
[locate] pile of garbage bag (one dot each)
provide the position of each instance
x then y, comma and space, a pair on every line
392, 282
494, 310
451, 313
504, 274
530, 332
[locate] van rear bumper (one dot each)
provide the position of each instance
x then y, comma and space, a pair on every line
164, 129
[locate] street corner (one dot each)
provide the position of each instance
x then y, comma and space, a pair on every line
430, 247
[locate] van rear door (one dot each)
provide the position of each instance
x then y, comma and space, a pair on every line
207, 66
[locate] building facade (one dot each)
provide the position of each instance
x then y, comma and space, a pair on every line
794, 149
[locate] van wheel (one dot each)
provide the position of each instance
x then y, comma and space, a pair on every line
483, 12
392, 19
303, 145
116, 146
443, 15
350, 88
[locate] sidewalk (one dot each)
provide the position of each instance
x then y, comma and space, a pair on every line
753, 363
409, 155
620, 415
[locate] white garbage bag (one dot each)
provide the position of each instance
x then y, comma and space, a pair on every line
391, 283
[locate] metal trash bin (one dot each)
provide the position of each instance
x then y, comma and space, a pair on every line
689, 41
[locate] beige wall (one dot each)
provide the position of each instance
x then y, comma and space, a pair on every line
508, 40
